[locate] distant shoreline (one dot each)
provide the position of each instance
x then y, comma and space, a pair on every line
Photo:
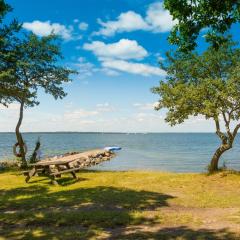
179, 152
116, 132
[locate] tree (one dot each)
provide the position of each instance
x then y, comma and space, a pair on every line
196, 15
207, 85
36, 66
4, 8
8, 86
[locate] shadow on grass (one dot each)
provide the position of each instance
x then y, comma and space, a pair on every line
36, 196
176, 233
69, 180
45, 212
179, 233
36, 211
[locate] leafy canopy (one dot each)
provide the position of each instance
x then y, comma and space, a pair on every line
36, 66
207, 84
28, 63
195, 15
4, 8
8, 40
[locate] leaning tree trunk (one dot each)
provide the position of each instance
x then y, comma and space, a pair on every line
19, 136
215, 159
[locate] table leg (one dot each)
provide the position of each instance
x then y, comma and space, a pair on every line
31, 174
52, 177
53, 180
58, 168
73, 173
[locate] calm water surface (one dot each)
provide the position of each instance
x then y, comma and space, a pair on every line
179, 152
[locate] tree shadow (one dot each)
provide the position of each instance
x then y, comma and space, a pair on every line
44, 212
65, 181
101, 196
179, 233
40, 211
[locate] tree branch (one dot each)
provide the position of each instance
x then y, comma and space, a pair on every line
236, 130
227, 122
221, 135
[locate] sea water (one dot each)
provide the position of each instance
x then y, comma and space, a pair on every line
178, 152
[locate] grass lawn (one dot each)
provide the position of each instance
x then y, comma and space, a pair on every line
121, 205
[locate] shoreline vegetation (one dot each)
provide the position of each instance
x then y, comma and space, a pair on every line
121, 205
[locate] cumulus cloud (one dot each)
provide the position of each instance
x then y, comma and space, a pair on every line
12, 106
104, 107
83, 26
78, 114
134, 68
82, 114
126, 22
124, 49
85, 68
110, 72
114, 56
157, 20
46, 28
146, 106
97, 119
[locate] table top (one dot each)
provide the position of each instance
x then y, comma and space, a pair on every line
70, 158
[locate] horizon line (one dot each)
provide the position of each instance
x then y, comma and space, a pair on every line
102, 132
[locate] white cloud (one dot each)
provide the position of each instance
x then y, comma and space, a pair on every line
104, 107
124, 49
97, 119
157, 20
84, 68
146, 106
78, 114
135, 68
147, 117
12, 106
75, 20
106, 104
81, 59
113, 58
126, 22
83, 26
159, 57
46, 28
110, 72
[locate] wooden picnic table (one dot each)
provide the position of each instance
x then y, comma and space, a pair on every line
51, 169
54, 167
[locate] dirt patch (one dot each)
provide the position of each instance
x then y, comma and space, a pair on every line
211, 218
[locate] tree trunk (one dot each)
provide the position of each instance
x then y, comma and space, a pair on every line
33, 158
215, 159
19, 136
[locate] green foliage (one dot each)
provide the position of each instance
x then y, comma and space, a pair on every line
28, 63
4, 8
8, 86
196, 15
207, 84
36, 66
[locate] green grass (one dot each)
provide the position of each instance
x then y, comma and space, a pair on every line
103, 205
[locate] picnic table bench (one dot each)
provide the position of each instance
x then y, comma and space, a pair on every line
54, 167
51, 169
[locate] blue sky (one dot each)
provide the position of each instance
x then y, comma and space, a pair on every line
115, 45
